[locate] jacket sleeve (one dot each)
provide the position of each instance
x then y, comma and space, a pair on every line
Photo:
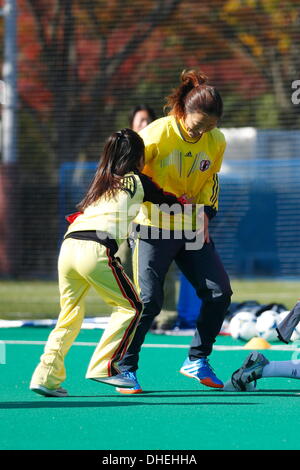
209, 194
153, 193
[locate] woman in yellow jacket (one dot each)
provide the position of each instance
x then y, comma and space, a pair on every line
183, 154
87, 259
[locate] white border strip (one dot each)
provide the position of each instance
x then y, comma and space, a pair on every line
174, 346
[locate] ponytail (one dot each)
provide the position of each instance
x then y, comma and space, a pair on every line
122, 153
194, 95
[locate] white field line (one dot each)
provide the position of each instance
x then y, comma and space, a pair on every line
176, 346
262, 295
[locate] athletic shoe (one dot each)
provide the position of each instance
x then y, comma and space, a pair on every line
47, 392
250, 371
135, 389
201, 371
119, 380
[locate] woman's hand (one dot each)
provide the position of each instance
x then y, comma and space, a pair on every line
188, 200
205, 218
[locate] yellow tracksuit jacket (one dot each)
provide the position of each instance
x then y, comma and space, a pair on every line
182, 166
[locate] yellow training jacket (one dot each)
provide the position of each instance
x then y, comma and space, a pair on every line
111, 216
181, 165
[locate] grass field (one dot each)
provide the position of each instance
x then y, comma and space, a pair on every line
174, 412
27, 299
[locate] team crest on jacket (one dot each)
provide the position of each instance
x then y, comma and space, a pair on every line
204, 165
129, 185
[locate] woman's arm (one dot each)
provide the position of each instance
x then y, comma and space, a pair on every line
153, 193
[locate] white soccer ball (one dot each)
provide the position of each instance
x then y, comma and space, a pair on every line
266, 325
283, 314
296, 333
243, 326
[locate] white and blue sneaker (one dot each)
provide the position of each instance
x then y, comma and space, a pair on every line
250, 371
201, 371
136, 386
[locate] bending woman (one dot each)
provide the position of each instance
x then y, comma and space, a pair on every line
183, 154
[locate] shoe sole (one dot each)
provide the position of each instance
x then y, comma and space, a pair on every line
127, 391
208, 382
211, 384
48, 393
115, 384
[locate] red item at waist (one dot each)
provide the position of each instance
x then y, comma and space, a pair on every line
71, 217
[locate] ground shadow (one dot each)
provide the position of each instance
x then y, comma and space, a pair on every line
64, 403
272, 390
266, 393
218, 393
139, 399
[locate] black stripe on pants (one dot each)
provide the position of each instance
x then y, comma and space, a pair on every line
130, 293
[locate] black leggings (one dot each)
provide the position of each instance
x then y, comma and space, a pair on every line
205, 271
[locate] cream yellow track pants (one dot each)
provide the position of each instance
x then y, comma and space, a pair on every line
83, 264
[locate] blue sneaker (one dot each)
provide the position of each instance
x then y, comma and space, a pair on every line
201, 371
135, 389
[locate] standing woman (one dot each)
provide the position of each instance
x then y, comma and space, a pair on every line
87, 259
183, 154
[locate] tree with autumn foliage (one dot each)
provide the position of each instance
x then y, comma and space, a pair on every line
266, 33
83, 64
77, 60
82, 61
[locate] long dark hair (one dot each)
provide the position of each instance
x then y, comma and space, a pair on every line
194, 95
122, 153
141, 107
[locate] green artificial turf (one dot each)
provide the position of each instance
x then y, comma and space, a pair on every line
175, 412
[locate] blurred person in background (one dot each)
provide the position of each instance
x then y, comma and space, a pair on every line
140, 116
